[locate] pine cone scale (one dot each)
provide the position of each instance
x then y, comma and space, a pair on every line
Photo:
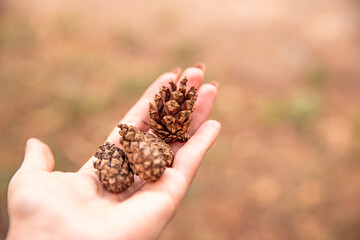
170, 117
147, 154
113, 168
177, 95
172, 106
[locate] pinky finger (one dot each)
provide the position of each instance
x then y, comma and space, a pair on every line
189, 157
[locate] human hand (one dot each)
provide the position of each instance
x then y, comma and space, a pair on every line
47, 204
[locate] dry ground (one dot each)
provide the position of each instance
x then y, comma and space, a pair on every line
287, 163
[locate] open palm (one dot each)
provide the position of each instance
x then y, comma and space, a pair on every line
73, 205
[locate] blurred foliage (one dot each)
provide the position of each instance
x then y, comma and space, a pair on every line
316, 76
167, 19
299, 110
356, 131
16, 34
185, 50
70, 70
133, 86
68, 25
128, 39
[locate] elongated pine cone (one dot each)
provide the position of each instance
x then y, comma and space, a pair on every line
148, 155
170, 118
113, 167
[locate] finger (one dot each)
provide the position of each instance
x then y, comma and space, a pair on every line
188, 157
203, 106
38, 156
201, 66
165, 195
195, 76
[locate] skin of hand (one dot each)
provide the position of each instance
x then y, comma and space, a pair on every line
47, 204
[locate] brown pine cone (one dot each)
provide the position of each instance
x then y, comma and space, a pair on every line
148, 155
113, 167
164, 149
170, 118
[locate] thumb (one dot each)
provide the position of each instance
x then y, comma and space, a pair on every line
38, 156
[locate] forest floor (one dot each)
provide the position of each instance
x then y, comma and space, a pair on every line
287, 162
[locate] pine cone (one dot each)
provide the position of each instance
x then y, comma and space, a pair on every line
170, 119
113, 167
148, 155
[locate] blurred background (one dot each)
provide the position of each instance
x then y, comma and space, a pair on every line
287, 162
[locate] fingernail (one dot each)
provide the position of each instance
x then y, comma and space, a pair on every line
215, 83
176, 70
200, 66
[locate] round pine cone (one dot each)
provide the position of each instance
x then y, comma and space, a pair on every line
148, 155
170, 118
163, 147
113, 167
